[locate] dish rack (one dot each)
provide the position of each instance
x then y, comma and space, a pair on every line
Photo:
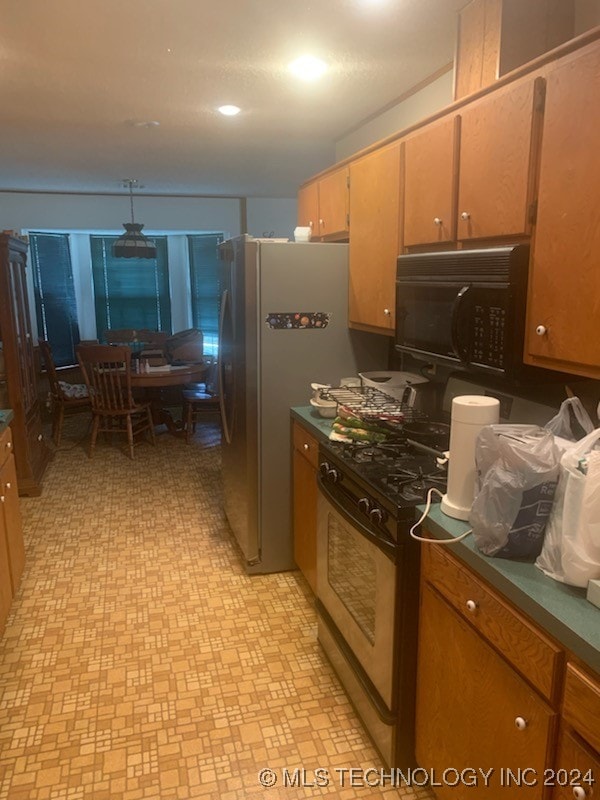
373, 405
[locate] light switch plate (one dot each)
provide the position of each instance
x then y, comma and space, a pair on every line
593, 592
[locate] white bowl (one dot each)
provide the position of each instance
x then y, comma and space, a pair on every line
326, 408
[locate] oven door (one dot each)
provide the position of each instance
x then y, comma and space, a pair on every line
356, 586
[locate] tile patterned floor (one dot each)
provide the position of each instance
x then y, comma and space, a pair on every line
139, 660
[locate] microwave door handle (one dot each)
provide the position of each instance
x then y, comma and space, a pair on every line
456, 307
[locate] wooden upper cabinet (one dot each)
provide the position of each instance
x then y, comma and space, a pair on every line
323, 206
498, 148
375, 239
333, 203
565, 280
476, 47
430, 174
497, 36
308, 207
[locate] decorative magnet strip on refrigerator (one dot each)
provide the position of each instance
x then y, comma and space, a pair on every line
288, 320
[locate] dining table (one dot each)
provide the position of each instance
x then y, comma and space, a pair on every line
150, 381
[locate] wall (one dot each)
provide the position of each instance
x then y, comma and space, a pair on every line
174, 216
587, 15
423, 103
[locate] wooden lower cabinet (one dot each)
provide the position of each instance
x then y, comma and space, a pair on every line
473, 710
304, 466
577, 773
12, 549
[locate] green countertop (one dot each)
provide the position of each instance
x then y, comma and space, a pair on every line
6, 416
561, 610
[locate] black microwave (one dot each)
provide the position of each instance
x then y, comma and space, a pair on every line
466, 309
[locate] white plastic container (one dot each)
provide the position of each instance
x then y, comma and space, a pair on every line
302, 234
470, 413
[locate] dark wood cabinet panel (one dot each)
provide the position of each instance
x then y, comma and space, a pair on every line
30, 450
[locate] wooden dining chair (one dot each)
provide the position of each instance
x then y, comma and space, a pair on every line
107, 373
198, 399
66, 397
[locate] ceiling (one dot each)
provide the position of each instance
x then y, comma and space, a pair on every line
76, 77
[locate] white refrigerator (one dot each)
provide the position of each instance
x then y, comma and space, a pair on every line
284, 324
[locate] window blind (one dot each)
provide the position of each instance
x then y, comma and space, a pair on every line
205, 287
55, 304
130, 292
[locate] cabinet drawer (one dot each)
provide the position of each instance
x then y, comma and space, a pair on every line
6, 447
581, 707
306, 444
531, 653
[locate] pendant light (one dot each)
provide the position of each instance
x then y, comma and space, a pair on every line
133, 243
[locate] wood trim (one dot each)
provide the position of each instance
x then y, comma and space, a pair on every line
572, 46
359, 326
537, 125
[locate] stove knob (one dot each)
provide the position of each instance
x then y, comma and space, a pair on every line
376, 515
364, 505
333, 475
324, 468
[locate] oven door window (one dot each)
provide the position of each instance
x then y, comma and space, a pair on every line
356, 583
424, 317
352, 574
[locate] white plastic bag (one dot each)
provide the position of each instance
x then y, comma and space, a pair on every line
571, 551
517, 468
571, 423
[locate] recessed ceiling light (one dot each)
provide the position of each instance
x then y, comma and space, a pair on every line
229, 111
308, 68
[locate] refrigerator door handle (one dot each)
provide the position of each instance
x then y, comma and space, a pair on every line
225, 302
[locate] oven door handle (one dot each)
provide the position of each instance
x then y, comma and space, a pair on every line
387, 546
456, 309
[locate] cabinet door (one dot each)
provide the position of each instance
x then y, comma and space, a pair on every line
9, 500
305, 517
565, 279
478, 45
374, 243
333, 203
576, 767
469, 702
308, 208
430, 184
496, 140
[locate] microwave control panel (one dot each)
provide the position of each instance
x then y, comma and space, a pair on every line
488, 336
